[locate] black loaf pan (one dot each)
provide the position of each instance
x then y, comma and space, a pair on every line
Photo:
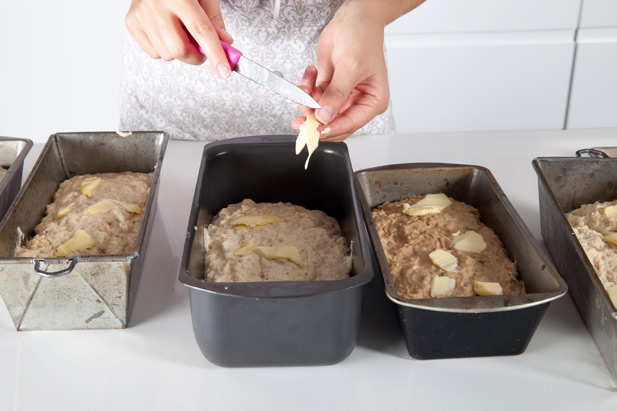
286, 322
464, 326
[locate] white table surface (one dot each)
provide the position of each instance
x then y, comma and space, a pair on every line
155, 364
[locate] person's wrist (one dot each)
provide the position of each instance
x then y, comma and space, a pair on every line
385, 11
378, 12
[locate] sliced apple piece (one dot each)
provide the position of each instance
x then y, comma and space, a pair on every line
611, 211
105, 206
62, 211
470, 241
611, 239
257, 220
442, 286
281, 252
487, 288
430, 204
88, 185
444, 260
80, 240
308, 136
247, 248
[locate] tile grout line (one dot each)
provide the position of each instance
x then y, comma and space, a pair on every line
573, 69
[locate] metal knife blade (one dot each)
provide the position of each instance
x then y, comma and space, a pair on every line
274, 82
265, 77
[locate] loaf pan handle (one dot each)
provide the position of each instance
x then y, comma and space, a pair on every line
597, 152
59, 273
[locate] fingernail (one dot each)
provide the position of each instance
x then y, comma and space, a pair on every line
307, 73
226, 32
325, 114
223, 71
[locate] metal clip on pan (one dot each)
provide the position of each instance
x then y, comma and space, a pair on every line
598, 152
59, 273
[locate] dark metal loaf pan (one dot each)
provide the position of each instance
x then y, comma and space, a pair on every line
82, 292
564, 184
13, 152
285, 322
464, 326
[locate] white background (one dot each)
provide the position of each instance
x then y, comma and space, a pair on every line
487, 65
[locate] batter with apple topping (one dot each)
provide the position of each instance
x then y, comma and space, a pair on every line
438, 247
92, 214
251, 241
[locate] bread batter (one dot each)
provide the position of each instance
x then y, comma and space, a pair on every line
107, 206
252, 241
408, 240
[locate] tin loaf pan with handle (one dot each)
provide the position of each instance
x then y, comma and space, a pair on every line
565, 184
83, 292
464, 326
275, 323
13, 152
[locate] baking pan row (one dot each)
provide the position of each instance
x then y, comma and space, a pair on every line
283, 323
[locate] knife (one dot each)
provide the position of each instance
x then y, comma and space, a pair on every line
265, 77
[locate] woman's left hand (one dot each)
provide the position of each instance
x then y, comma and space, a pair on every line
350, 82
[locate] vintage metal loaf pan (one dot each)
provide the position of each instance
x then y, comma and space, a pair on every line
86, 291
13, 152
564, 184
464, 326
285, 322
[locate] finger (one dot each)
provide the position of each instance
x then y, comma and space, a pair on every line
307, 111
307, 84
309, 78
156, 23
325, 67
349, 121
142, 40
179, 45
198, 24
213, 10
336, 93
297, 122
158, 44
141, 25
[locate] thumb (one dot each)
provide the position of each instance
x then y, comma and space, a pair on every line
335, 95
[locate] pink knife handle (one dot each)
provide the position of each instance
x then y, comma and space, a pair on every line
233, 55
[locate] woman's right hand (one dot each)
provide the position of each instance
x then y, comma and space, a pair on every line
173, 29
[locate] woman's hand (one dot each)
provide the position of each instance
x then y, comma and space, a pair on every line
173, 29
350, 82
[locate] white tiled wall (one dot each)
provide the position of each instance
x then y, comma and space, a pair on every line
482, 65
478, 81
457, 16
598, 13
593, 101
504, 65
